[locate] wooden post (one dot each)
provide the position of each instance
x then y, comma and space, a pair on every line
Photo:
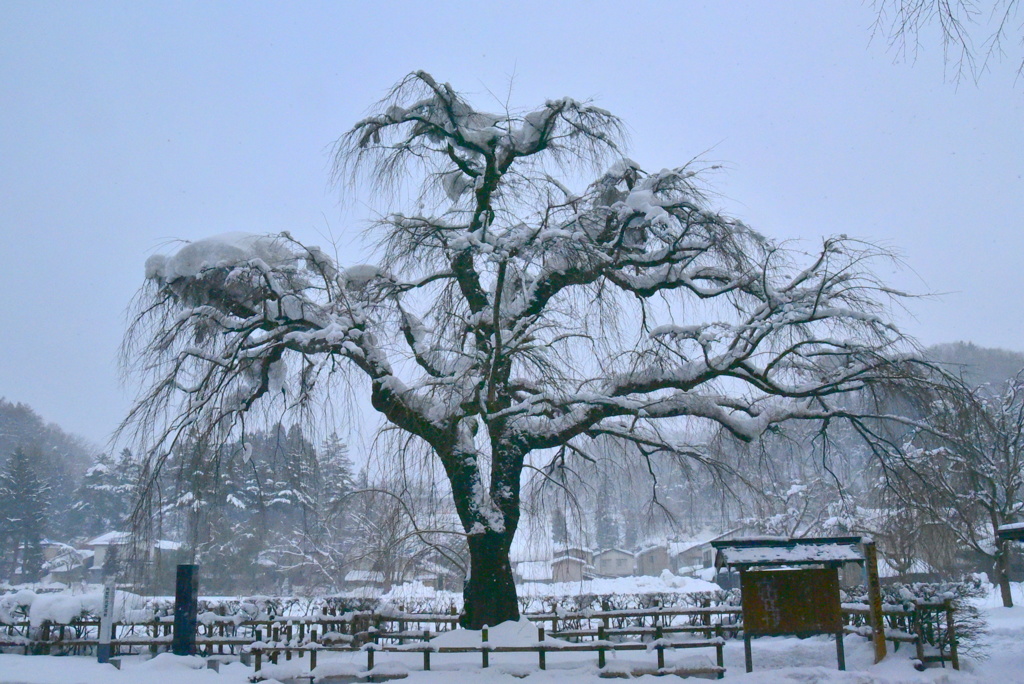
44, 639
748, 658
874, 599
485, 654
719, 647
600, 651
919, 622
661, 648
313, 647
540, 651
954, 656
426, 653
840, 650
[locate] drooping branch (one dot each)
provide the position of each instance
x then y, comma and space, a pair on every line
510, 314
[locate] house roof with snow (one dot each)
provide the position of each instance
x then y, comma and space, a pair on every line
777, 551
1013, 531
652, 549
677, 548
109, 538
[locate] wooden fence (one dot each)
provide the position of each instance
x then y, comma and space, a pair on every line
929, 627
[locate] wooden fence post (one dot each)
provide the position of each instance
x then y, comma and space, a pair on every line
426, 653
401, 625
485, 653
719, 654
540, 652
44, 639
600, 651
874, 599
919, 623
954, 656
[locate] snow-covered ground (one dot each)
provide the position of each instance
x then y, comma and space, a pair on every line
776, 661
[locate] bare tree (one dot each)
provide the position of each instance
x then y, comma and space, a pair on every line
509, 319
965, 471
973, 33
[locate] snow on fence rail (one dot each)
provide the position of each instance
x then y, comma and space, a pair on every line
355, 627
600, 645
930, 626
266, 627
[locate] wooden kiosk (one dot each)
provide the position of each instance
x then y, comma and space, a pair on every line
790, 587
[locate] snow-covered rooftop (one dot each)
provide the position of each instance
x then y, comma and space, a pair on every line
109, 538
810, 551
1011, 531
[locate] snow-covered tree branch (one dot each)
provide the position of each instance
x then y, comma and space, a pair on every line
510, 314
965, 469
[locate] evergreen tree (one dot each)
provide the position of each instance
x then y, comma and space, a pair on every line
559, 527
606, 521
23, 506
105, 496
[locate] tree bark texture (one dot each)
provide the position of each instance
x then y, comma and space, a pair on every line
1002, 574
490, 592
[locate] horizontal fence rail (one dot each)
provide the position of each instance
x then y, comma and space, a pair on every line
929, 627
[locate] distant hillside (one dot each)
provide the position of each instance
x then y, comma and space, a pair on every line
977, 365
61, 458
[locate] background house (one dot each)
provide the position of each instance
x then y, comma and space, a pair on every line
652, 560
570, 569
614, 563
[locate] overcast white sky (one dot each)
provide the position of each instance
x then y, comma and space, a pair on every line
125, 125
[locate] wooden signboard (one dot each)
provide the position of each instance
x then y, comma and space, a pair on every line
783, 602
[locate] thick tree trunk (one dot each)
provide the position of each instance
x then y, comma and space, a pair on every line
490, 593
1002, 574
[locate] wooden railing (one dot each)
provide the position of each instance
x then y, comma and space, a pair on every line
929, 626
601, 644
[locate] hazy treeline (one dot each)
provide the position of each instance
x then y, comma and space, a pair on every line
287, 508
931, 509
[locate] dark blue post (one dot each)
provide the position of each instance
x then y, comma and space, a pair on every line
186, 610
